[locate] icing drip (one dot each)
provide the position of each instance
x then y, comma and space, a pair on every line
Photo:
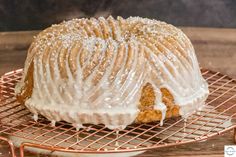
163, 109
35, 117
93, 70
78, 126
53, 123
159, 105
117, 136
185, 125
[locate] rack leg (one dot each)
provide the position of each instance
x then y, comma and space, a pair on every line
234, 135
22, 150
12, 149
10, 144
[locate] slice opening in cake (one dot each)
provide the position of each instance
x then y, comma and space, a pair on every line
148, 112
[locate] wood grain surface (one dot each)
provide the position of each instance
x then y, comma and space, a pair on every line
215, 49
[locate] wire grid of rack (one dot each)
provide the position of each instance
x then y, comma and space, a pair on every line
218, 116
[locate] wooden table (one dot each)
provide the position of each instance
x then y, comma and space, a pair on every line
215, 49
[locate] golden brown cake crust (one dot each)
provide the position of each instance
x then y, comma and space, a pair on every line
111, 71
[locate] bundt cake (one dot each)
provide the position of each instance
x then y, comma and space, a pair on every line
111, 71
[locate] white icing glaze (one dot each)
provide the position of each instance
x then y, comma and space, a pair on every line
35, 117
162, 107
92, 71
53, 123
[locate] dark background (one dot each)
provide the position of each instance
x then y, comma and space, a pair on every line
38, 14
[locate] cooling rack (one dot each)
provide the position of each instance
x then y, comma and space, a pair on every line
217, 117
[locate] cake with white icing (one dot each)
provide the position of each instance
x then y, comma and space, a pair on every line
111, 71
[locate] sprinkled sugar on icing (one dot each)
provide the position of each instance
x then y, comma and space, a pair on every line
93, 70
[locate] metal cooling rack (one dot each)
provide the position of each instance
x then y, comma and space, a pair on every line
218, 116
